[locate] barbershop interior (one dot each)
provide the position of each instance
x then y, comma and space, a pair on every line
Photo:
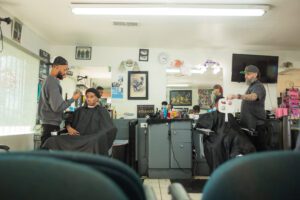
149, 100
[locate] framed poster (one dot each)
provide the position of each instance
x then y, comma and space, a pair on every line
144, 110
44, 67
117, 88
204, 98
137, 85
17, 30
83, 53
181, 97
143, 55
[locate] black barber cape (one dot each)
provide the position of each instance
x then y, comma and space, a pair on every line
226, 142
97, 132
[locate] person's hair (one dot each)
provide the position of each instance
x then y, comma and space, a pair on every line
217, 86
164, 103
93, 90
99, 88
171, 105
196, 108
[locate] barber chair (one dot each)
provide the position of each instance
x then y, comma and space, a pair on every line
268, 175
29, 177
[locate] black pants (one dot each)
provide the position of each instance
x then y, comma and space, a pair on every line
263, 138
46, 133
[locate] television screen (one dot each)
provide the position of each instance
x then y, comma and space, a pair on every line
267, 65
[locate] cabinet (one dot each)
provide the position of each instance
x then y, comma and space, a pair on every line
170, 149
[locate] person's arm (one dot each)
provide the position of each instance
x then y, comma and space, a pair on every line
56, 101
247, 97
257, 93
72, 131
69, 121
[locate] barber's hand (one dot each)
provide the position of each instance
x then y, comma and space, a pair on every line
72, 131
76, 95
233, 96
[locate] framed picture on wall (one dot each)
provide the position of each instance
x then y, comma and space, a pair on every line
144, 110
17, 30
181, 97
83, 53
143, 55
137, 85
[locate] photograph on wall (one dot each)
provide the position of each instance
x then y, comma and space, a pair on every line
143, 54
204, 98
138, 85
117, 88
17, 30
83, 53
145, 110
181, 97
44, 67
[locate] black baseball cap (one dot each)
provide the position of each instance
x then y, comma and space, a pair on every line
59, 61
251, 69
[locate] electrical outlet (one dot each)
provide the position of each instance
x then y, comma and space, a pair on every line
144, 125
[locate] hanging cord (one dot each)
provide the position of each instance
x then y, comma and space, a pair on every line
269, 96
1, 39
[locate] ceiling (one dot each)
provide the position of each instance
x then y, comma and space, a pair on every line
54, 21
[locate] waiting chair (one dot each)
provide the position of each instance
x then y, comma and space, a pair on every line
269, 175
122, 175
24, 176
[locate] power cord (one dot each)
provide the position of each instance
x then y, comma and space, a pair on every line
269, 95
172, 149
1, 38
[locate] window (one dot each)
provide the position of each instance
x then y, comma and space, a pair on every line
18, 91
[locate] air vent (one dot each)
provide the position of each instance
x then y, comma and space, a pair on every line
125, 23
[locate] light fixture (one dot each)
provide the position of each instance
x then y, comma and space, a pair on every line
168, 9
178, 85
172, 71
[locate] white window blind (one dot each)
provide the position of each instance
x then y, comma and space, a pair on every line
18, 91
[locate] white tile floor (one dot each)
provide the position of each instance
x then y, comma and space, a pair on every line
160, 187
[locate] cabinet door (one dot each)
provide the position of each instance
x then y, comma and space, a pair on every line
159, 148
181, 155
181, 148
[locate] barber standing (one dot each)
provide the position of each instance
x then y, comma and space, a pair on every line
253, 113
52, 104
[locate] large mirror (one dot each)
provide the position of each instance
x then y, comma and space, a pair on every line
85, 77
194, 87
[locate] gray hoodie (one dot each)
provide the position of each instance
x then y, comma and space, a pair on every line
51, 104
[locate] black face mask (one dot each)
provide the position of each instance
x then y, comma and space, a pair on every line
60, 76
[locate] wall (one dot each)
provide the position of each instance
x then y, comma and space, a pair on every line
33, 43
29, 39
112, 56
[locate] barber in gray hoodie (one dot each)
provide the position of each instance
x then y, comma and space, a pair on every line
52, 104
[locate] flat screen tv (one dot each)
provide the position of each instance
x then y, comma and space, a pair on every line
267, 65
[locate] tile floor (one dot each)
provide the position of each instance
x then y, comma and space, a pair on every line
160, 187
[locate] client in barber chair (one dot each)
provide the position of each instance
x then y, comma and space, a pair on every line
90, 129
227, 140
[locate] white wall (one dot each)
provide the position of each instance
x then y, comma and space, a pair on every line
33, 43
112, 56
29, 39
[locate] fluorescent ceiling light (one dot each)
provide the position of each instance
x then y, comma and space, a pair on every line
169, 9
170, 71
178, 85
